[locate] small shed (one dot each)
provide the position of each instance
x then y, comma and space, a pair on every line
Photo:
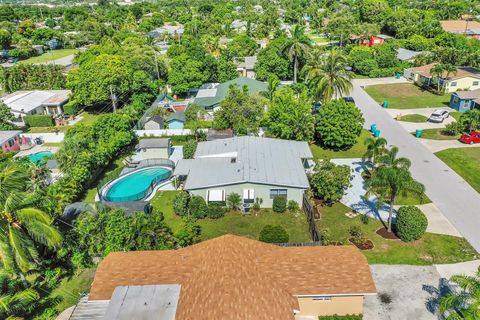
154, 123
176, 120
156, 148
465, 100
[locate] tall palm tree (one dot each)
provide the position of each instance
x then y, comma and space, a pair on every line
389, 159
464, 303
471, 119
329, 78
375, 148
438, 71
387, 183
273, 84
298, 47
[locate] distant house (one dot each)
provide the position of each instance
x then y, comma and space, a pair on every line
245, 67
469, 28
465, 78
262, 43
239, 25
171, 30
10, 140
176, 120
156, 148
212, 96
253, 167
229, 277
154, 123
465, 100
23, 103
409, 55
370, 42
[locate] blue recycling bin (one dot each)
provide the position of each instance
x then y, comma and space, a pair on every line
385, 104
418, 133
376, 133
373, 127
397, 76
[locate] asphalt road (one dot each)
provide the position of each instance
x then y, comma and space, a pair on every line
455, 198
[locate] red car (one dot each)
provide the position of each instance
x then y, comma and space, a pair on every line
470, 138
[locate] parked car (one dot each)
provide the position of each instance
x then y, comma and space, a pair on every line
439, 115
471, 137
349, 99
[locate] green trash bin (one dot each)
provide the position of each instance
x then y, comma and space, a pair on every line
418, 133
385, 104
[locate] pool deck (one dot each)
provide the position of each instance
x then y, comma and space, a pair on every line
36, 149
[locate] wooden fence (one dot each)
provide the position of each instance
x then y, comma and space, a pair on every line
310, 212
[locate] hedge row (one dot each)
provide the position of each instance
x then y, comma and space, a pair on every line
38, 120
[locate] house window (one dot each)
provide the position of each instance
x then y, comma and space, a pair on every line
11, 143
215, 195
278, 193
455, 99
248, 195
453, 84
475, 83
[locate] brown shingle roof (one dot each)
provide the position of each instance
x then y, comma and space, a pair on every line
232, 277
461, 72
459, 26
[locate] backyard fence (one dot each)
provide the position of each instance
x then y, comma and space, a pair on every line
164, 132
45, 137
309, 211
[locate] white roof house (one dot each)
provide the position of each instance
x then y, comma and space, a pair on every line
26, 102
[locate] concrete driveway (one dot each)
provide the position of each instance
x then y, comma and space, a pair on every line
439, 145
412, 126
453, 196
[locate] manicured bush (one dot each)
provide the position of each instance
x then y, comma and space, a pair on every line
198, 207
38, 120
411, 223
279, 204
339, 124
357, 234
329, 180
273, 234
292, 205
180, 203
453, 128
71, 108
216, 210
189, 149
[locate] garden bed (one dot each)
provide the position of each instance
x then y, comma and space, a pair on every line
366, 245
383, 232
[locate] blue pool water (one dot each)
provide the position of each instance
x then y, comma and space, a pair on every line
40, 157
135, 186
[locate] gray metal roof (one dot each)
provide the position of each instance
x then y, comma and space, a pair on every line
154, 143
7, 135
256, 160
148, 302
405, 54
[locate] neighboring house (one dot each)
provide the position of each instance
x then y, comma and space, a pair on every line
10, 140
245, 67
230, 277
154, 123
465, 78
23, 103
370, 42
176, 120
157, 148
253, 167
211, 97
175, 31
465, 100
409, 55
469, 28
239, 25
262, 43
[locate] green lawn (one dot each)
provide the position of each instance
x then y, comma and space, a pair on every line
456, 115
411, 200
70, 290
406, 96
465, 162
235, 222
413, 118
50, 55
88, 118
431, 249
356, 151
437, 134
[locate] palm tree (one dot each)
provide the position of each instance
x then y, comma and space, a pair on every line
464, 303
273, 84
17, 302
471, 119
389, 159
375, 148
387, 183
329, 78
438, 71
298, 47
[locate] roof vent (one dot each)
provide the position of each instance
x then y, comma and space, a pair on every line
233, 160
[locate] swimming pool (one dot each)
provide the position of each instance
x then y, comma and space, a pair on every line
135, 186
40, 157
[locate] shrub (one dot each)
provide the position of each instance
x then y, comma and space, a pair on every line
216, 211
198, 207
411, 223
357, 234
189, 149
292, 205
329, 180
325, 236
453, 128
180, 203
234, 200
339, 124
71, 108
364, 218
279, 204
257, 204
38, 120
273, 234
346, 317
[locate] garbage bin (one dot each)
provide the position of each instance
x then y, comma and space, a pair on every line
373, 127
376, 133
385, 104
397, 76
418, 133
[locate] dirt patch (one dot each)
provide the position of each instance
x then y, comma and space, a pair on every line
366, 245
383, 232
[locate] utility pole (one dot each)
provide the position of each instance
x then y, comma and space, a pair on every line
156, 65
114, 99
